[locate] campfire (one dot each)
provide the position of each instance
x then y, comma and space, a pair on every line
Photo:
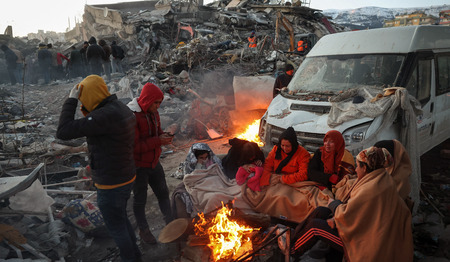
227, 239
251, 133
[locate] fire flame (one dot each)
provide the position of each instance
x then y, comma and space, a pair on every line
227, 239
251, 133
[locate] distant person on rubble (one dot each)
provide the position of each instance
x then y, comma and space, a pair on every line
118, 54
95, 56
54, 62
155, 43
76, 62
283, 79
148, 140
45, 62
83, 50
60, 68
302, 46
252, 40
108, 126
11, 59
106, 62
18, 73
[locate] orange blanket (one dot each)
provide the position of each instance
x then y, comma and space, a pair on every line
401, 170
374, 223
293, 202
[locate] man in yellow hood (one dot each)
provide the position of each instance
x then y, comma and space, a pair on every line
108, 126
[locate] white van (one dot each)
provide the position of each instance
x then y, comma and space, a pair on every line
414, 57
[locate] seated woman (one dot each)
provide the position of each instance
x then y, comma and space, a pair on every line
331, 162
371, 223
401, 169
285, 191
287, 162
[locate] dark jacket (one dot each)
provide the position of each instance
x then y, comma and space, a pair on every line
109, 130
76, 57
95, 53
44, 57
106, 49
10, 57
281, 81
236, 157
117, 51
147, 144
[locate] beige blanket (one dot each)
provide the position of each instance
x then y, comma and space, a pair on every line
209, 187
374, 223
291, 202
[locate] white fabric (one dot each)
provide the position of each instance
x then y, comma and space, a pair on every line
343, 109
34, 199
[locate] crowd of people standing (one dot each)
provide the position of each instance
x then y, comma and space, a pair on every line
50, 64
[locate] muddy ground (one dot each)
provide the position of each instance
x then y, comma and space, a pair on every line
431, 230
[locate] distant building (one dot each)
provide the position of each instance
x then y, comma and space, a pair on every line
444, 17
416, 18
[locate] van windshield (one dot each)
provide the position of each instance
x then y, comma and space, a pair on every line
333, 74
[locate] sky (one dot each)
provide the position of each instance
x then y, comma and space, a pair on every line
29, 16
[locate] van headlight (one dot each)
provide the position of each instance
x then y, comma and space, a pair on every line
355, 135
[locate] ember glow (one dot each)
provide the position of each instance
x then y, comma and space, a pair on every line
227, 239
251, 133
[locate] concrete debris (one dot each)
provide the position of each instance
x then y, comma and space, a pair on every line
199, 57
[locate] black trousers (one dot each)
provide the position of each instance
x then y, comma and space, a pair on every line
154, 177
313, 229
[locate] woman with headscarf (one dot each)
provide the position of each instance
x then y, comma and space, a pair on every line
286, 192
401, 169
331, 162
287, 162
371, 223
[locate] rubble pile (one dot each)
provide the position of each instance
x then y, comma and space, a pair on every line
202, 49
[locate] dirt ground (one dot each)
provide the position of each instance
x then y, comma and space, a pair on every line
43, 104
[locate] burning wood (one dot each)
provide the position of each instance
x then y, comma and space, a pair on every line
251, 133
227, 239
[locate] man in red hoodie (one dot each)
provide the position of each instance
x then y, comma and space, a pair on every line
148, 140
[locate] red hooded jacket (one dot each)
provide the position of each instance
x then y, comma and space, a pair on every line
147, 145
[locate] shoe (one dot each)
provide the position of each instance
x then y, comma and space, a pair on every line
147, 236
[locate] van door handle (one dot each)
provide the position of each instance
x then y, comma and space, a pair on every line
431, 107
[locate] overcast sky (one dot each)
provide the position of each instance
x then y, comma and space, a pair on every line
28, 16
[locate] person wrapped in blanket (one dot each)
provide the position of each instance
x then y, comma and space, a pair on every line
287, 163
401, 169
200, 156
371, 223
331, 162
286, 193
